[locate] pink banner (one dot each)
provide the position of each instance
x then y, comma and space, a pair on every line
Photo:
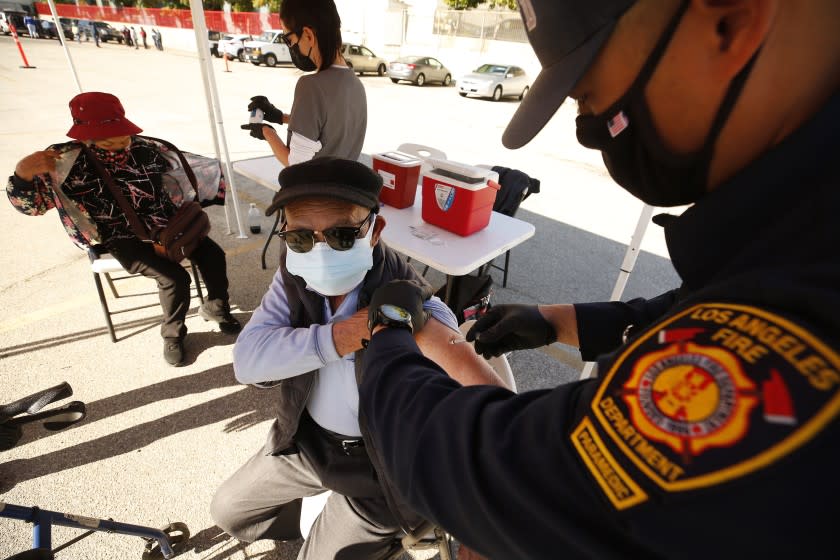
252, 23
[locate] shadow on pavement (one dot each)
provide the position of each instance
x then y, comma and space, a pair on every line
215, 544
136, 327
245, 408
141, 325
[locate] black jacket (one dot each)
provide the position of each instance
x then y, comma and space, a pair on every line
711, 433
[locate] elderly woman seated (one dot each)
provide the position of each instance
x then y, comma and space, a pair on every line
151, 177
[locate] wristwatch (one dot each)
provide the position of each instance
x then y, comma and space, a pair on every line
391, 316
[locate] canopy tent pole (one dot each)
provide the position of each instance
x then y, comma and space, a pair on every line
212, 95
211, 117
60, 32
627, 265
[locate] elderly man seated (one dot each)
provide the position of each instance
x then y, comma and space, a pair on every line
149, 175
307, 337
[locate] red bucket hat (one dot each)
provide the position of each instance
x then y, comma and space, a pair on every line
98, 115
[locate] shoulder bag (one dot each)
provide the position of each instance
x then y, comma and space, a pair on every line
186, 228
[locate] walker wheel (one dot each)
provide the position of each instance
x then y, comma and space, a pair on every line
178, 535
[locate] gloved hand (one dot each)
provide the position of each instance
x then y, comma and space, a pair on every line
270, 112
408, 294
511, 327
256, 129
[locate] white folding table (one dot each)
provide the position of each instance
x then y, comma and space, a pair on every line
406, 232
450, 253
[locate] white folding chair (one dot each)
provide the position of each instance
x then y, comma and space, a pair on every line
310, 509
102, 262
425, 537
422, 152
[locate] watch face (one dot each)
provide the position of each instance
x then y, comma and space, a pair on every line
395, 313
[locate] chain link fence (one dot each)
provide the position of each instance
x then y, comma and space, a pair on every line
493, 26
463, 39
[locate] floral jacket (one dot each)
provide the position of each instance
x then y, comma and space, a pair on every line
47, 191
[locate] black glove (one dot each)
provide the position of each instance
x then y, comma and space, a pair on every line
511, 327
408, 294
256, 129
270, 112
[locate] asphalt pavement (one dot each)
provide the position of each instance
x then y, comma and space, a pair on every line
159, 440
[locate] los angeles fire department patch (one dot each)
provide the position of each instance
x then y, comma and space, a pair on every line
711, 394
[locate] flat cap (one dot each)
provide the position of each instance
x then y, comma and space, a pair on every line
329, 177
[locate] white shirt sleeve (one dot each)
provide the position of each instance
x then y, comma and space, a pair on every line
441, 312
270, 349
302, 148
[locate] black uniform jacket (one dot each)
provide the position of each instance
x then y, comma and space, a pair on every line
711, 433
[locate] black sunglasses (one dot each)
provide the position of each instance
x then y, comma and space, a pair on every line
285, 38
339, 238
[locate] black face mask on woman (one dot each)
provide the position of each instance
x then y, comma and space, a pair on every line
633, 151
301, 61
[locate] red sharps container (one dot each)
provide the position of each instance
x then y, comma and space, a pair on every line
400, 173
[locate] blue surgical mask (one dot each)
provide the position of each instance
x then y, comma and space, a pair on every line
330, 272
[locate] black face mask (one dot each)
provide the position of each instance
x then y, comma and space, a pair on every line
633, 151
303, 62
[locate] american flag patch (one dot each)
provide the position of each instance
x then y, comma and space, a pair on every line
617, 124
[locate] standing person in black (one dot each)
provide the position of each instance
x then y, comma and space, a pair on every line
711, 430
152, 178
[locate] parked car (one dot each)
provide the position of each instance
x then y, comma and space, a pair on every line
419, 70
268, 49
108, 32
362, 60
234, 46
213, 41
46, 29
495, 81
71, 24
15, 18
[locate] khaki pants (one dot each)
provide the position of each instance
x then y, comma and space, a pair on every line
262, 501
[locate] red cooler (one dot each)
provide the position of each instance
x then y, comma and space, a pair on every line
457, 198
399, 173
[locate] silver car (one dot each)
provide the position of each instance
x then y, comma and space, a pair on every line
419, 69
362, 60
495, 81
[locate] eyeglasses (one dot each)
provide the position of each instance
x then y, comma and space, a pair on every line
285, 38
339, 238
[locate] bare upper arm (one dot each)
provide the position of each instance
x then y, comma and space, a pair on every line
459, 360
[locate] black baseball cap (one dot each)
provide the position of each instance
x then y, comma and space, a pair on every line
566, 35
329, 177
